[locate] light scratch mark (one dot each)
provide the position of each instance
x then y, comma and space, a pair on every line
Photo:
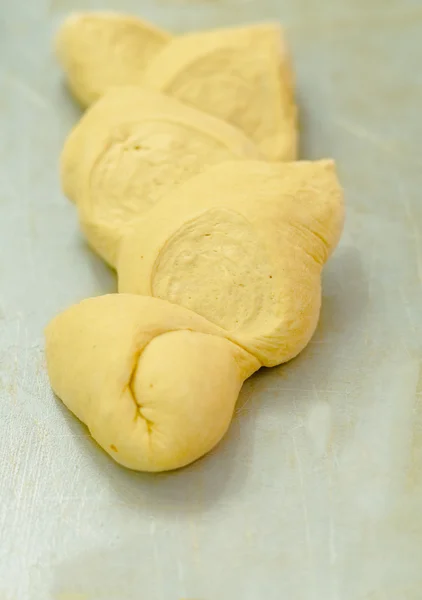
30, 93
409, 315
180, 568
8, 188
371, 18
333, 552
389, 147
333, 549
413, 228
156, 559
305, 515
181, 576
331, 523
363, 133
14, 384
301, 390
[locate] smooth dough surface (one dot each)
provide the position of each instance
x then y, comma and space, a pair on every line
102, 50
155, 383
130, 149
242, 75
242, 244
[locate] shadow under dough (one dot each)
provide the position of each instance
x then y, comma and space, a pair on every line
221, 475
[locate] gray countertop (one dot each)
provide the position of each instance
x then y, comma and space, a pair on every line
316, 492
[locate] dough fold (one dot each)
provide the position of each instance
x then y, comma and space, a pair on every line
130, 149
242, 75
155, 383
242, 244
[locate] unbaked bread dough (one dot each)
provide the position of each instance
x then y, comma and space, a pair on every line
242, 75
155, 383
242, 244
131, 148
219, 254
102, 50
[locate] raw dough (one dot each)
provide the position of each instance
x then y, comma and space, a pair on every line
130, 149
242, 244
221, 252
241, 75
155, 383
102, 50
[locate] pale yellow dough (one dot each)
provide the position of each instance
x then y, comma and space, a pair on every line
102, 50
131, 148
219, 254
155, 383
242, 244
242, 75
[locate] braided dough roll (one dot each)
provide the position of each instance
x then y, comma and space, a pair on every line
131, 148
242, 75
219, 254
155, 383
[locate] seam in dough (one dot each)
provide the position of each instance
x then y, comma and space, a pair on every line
232, 74
242, 244
130, 149
155, 383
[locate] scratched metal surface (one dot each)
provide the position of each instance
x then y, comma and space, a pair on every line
315, 494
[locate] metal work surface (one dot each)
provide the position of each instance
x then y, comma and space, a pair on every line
316, 492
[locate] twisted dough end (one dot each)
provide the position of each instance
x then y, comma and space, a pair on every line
155, 384
99, 50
